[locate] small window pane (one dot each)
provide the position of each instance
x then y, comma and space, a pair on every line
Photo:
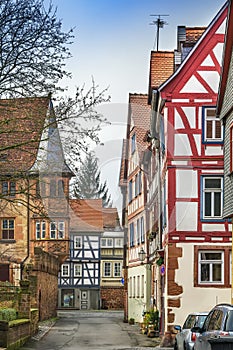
212, 183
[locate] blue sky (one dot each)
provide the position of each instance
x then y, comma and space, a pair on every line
113, 41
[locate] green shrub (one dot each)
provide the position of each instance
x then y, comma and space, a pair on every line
8, 314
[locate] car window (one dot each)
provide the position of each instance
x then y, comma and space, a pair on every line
200, 321
215, 320
229, 322
190, 322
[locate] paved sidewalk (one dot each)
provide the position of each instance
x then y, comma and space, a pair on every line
143, 342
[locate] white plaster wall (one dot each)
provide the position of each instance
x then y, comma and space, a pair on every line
182, 145
214, 150
186, 183
186, 216
193, 298
136, 306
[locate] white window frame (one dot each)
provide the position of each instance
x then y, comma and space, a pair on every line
53, 231
8, 226
77, 242
61, 230
117, 269
119, 242
212, 192
40, 229
210, 263
77, 270
65, 270
107, 272
213, 120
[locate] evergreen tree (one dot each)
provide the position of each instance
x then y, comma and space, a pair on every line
87, 184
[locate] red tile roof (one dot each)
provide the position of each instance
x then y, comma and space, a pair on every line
193, 34
140, 118
111, 218
86, 215
161, 68
21, 122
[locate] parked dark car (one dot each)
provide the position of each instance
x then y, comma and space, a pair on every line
184, 339
217, 330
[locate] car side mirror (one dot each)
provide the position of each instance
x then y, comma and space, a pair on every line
197, 329
177, 328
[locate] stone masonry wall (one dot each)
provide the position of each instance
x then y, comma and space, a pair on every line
112, 297
43, 277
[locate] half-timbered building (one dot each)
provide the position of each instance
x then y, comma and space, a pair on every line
188, 137
79, 278
225, 111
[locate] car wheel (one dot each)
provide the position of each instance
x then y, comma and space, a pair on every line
175, 346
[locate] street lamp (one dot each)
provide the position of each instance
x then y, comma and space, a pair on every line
142, 255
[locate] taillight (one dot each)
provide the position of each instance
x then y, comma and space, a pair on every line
193, 337
224, 333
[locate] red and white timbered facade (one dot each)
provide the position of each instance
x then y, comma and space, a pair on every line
196, 238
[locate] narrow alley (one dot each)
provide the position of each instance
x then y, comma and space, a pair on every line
82, 330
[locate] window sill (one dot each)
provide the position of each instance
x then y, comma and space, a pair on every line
7, 240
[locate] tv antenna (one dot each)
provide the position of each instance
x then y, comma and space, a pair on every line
159, 23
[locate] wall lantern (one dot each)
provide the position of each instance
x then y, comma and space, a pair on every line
142, 255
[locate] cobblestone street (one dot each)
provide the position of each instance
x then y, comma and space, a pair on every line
78, 330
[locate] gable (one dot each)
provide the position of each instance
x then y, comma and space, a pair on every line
199, 74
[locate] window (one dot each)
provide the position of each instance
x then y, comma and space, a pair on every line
213, 130
130, 190
107, 269
77, 242
142, 230
133, 143
138, 184
8, 228
117, 269
210, 267
131, 233
9, 188
138, 231
52, 188
65, 270
57, 230
119, 243
142, 286
52, 230
212, 197
138, 286
130, 287
40, 229
4, 272
107, 242
77, 270
60, 188
61, 229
